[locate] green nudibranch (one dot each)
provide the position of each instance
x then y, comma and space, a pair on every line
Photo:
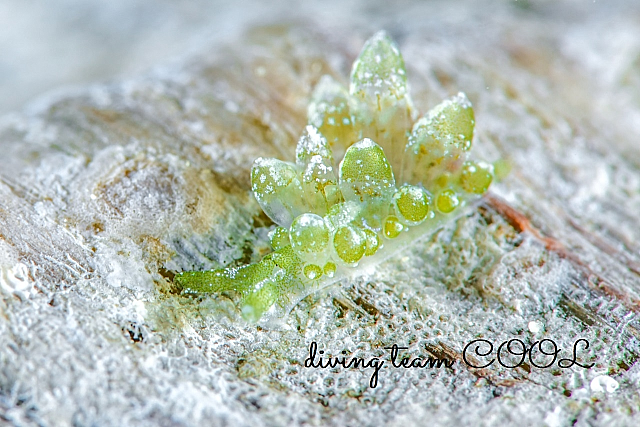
399, 178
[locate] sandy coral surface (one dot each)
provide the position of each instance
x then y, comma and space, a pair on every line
107, 189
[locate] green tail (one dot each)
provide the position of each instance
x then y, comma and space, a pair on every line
260, 285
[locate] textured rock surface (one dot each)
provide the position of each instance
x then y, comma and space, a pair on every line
104, 191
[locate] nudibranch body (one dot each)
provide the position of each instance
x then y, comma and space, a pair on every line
398, 178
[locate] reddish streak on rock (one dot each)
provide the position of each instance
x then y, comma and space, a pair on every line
522, 224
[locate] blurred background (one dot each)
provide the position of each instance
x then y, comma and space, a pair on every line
48, 45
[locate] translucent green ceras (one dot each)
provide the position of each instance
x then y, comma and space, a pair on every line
368, 176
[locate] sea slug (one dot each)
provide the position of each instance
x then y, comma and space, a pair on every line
367, 179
